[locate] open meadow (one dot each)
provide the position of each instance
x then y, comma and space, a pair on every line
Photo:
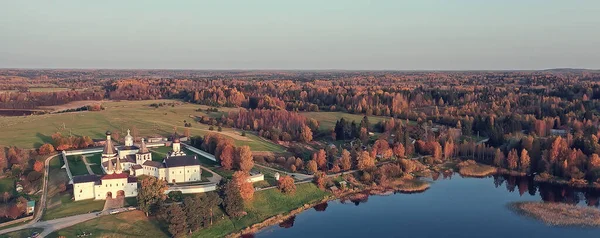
32, 131
327, 119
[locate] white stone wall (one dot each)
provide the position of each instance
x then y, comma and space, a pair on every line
126, 165
162, 173
184, 174
175, 175
192, 189
193, 173
256, 178
82, 191
114, 186
137, 172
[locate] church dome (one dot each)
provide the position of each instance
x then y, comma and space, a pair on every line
128, 139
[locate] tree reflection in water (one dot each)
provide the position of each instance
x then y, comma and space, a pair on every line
321, 207
288, 223
522, 185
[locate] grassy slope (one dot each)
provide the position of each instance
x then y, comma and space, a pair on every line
128, 224
266, 204
32, 131
69, 207
60, 204
7, 185
21, 233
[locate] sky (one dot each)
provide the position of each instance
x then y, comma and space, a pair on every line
303, 34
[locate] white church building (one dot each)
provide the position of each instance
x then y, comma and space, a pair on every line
123, 164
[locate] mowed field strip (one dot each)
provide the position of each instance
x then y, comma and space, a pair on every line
32, 131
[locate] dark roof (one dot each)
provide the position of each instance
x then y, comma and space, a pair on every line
133, 147
178, 161
154, 164
128, 158
132, 180
136, 166
85, 178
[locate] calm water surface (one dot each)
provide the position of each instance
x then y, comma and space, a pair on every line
452, 207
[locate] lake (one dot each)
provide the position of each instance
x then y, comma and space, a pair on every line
452, 207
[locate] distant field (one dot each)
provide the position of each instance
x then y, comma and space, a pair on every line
32, 131
327, 119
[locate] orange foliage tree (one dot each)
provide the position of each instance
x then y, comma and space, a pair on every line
246, 188
286, 185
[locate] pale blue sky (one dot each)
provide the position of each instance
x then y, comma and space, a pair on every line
306, 34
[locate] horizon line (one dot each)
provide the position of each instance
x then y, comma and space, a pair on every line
290, 69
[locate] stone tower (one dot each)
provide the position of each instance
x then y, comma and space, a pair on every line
109, 152
143, 154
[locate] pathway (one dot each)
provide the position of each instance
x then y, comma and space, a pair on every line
113, 203
42, 203
200, 152
66, 166
53, 225
87, 165
216, 178
297, 176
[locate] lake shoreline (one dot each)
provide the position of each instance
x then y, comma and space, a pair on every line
403, 186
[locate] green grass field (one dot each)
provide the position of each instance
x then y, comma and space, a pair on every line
94, 158
76, 165
32, 131
266, 203
25, 233
69, 207
97, 169
127, 224
7, 185
327, 119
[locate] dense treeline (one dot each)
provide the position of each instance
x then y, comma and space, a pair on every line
454, 108
277, 125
